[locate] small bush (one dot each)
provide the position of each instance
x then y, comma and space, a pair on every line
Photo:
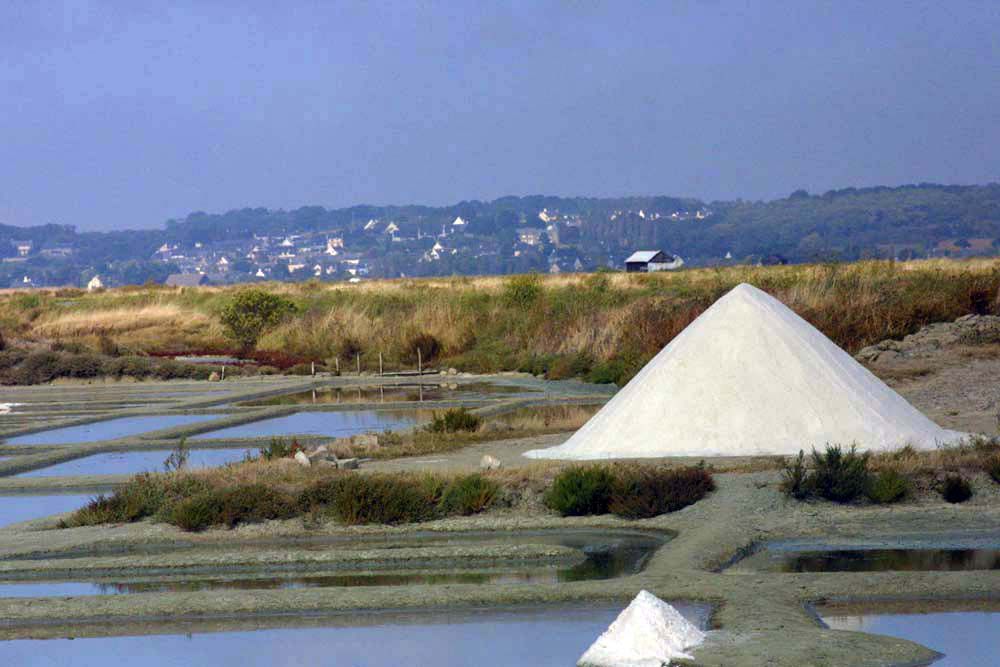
321, 494
197, 512
614, 371
385, 499
107, 346
536, 364
795, 478
253, 503
577, 365
142, 496
454, 420
838, 475
470, 494
428, 345
279, 448
247, 503
522, 291
992, 467
642, 492
581, 490
956, 489
253, 312
888, 486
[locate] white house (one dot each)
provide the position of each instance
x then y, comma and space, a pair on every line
459, 223
95, 284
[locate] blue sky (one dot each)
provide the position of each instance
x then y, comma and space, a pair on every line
114, 115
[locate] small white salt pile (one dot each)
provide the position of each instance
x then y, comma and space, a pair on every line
749, 377
648, 633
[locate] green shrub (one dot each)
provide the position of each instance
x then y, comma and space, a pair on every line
888, 486
145, 495
247, 503
838, 475
795, 480
253, 312
573, 366
581, 490
253, 503
321, 494
614, 371
81, 366
522, 291
470, 494
641, 492
279, 448
107, 346
38, 367
385, 499
956, 489
992, 468
132, 366
536, 364
454, 420
427, 344
197, 512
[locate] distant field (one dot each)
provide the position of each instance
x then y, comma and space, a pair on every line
603, 326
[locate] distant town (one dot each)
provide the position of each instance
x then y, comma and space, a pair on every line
510, 235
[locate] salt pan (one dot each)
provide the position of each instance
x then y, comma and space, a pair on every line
648, 633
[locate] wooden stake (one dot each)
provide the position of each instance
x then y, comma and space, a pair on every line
357, 357
313, 365
420, 363
380, 364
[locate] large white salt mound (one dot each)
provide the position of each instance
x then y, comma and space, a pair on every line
749, 377
648, 633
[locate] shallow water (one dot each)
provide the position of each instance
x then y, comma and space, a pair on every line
23, 507
129, 463
389, 394
108, 430
876, 560
607, 556
332, 424
967, 638
537, 637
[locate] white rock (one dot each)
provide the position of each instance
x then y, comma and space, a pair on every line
648, 633
302, 459
749, 377
489, 462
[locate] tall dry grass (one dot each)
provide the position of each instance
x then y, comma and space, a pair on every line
617, 320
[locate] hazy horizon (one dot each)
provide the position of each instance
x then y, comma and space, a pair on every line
123, 117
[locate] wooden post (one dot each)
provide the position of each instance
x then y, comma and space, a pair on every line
357, 357
420, 363
223, 371
337, 362
380, 364
313, 368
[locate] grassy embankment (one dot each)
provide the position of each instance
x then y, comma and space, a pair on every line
600, 326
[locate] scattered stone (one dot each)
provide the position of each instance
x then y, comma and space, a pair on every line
302, 459
966, 330
214, 377
452, 371
489, 462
